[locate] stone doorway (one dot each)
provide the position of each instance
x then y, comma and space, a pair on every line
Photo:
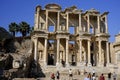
50, 59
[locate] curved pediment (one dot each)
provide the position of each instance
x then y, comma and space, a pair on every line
53, 6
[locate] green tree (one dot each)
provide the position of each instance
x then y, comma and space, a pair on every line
13, 28
24, 28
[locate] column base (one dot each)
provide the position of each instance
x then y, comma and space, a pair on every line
67, 65
89, 64
81, 64
100, 65
45, 64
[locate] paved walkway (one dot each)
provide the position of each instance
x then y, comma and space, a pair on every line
75, 77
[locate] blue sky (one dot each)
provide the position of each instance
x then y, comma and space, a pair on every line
23, 10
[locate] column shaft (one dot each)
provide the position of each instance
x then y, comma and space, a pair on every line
67, 24
100, 52
58, 21
67, 55
80, 28
106, 24
107, 50
58, 55
98, 22
35, 50
80, 50
88, 23
37, 19
45, 51
89, 53
46, 20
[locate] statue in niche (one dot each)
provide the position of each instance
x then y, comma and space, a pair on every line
82, 56
102, 56
97, 57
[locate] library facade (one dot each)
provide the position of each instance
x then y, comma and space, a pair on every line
72, 38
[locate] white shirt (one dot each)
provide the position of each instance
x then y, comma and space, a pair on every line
86, 78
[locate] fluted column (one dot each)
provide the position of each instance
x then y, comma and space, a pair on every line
89, 54
67, 24
98, 22
107, 51
45, 52
46, 20
67, 55
58, 55
88, 23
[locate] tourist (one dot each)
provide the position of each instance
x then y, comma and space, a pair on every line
63, 63
93, 72
114, 76
102, 77
70, 74
109, 76
87, 77
58, 75
52, 76
93, 77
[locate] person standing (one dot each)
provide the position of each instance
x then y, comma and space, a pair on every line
93, 77
114, 76
102, 77
70, 74
52, 76
109, 76
58, 75
87, 77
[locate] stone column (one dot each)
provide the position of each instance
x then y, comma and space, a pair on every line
80, 50
37, 18
46, 20
89, 54
88, 23
67, 54
58, 21
100, 54
98, 22
36, 50
80, 53
67, 24
106, 21
45, 52
36, 54
107, 51
58, 55
80, 28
